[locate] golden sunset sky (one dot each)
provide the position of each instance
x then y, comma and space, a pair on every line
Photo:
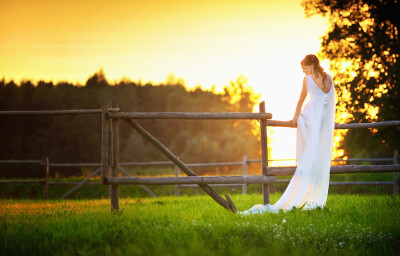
203, 42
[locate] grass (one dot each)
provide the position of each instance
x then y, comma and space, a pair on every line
348, 225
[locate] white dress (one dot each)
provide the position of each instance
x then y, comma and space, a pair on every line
310, 182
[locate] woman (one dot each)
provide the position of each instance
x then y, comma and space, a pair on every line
315, 124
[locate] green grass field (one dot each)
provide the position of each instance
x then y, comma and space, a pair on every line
196, 225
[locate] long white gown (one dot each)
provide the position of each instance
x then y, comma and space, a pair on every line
310, 182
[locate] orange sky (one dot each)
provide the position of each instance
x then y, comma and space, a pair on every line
204, 42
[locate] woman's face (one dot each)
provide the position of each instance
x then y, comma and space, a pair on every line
307, 69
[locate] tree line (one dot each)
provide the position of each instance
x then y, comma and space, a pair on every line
72, 139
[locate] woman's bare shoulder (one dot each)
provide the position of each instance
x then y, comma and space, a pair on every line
330, 78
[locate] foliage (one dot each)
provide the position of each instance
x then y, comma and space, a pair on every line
77, 138
348, 225
363, 46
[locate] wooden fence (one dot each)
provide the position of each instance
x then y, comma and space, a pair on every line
110, 165
45, 182
110, 153
47, 165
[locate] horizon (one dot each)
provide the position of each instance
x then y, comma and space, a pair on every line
203, 43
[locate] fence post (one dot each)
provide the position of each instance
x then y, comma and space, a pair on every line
46, 179
264, 153
110, 149
115, 160
104, 141
244, 187
176, 175
395, 177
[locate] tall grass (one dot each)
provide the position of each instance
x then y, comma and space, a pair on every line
348, 225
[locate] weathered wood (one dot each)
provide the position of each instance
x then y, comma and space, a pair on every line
81, 183
364, 159
395, 178
231, 204
104, 141
211, 185
115, 159
278, 123
21, 181
340, 126
46, 179
110, 150
264, 153
75, 164
176, 175
183, 115
169, 163
110, 144
244, 187
172, 163
367, 125
53, 112
177, 161
255, 160
21, 161
341, 169
363, 183
201, 180
348, 183
75, 183
142, 186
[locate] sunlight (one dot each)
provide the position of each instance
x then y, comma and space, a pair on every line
204, 43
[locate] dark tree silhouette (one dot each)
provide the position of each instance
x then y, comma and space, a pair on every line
78, 138
363, 46
97, 80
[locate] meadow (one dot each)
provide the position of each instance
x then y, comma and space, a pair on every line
196, 225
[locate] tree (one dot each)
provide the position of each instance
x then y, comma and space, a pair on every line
97, 80
77, 138
363, 46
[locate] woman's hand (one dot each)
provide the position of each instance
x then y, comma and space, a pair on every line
294, 121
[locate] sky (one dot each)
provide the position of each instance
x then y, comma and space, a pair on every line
207, 43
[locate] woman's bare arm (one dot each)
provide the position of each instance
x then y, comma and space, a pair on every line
303, 95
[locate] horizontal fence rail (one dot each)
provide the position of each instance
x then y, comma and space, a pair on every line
54, 112
21, 181
169, 163
339, 126
49, 183
341, 183
341, 169
250, 179
182, 115
348, 183
21, 161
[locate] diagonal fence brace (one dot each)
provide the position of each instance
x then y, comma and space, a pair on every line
142, 186
81, 183
220, 200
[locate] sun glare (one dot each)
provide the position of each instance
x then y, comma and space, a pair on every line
205, 43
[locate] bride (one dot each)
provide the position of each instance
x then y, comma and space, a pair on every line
315, 124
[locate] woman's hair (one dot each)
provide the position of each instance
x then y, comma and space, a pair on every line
312, 59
